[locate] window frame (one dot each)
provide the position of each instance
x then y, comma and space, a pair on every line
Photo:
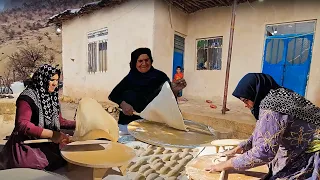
97, 37
196, 52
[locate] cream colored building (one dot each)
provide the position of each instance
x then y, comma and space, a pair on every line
120, 28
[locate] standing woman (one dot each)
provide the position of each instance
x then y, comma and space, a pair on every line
140, 86
287, 133
38, 115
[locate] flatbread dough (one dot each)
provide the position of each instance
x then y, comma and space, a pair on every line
164, 109
227, 142
92, 116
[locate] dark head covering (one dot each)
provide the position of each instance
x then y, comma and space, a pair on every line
135, 55
255, 87
38, 96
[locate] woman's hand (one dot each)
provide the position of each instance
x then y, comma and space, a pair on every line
178, 85
232, 152
127, 109
220, 167
60, 138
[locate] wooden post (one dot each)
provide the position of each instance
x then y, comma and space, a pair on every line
233, 18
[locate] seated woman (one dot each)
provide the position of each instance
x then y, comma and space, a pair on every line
140, 86
38, 115
286, 134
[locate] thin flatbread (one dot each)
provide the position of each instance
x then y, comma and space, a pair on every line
164, 109
92, 116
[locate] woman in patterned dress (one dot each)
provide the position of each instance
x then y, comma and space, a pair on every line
287, 133
37, 116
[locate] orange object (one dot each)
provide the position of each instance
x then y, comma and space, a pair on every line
213, 106
208, 101
177, 76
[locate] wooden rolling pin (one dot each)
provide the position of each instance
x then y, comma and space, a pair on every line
189, 127
91, 135
223, 173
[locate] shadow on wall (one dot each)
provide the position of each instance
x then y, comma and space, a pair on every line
317, 101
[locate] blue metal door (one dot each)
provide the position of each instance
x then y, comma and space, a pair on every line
178, 53
287, 59
177, 61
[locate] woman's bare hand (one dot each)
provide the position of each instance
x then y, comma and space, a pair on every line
127, 109
178, 85
60, 138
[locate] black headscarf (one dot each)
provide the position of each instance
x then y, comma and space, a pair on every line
138, 89
255, 87
37, 95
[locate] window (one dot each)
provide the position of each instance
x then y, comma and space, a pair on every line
97, 51
209, 53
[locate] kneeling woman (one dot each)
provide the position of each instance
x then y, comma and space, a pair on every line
37, 116
287, 133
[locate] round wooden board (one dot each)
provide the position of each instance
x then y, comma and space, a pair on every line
97, 154
162, 135
195, 169
28, 174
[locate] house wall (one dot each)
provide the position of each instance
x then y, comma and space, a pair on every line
248, 44
130, 26
153, 24
168, 21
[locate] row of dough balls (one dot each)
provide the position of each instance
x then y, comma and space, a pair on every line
152, 150
149, 169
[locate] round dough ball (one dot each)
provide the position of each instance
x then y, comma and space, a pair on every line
147, 152
152, 176
164, 170
159, 150
167, 151
151, 147
175, 170
134, 168
175, 150
183, 154
158, 166
171, 163
174, 157
166, 157
157, 161
130, 164
143, 168
152, 159
159, 178
189, 157
171, 178
186, 150
148, 172
195, 150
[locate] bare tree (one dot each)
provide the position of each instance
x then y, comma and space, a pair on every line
7, 78
26, 60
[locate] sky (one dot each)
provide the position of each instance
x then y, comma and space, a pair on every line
1, 4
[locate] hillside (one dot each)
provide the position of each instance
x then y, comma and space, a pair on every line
27, 25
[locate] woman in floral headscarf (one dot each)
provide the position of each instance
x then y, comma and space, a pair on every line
37, 116
287, 133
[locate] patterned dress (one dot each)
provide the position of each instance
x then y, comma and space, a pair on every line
282, 141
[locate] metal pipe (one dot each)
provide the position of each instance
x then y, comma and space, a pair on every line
226, 83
